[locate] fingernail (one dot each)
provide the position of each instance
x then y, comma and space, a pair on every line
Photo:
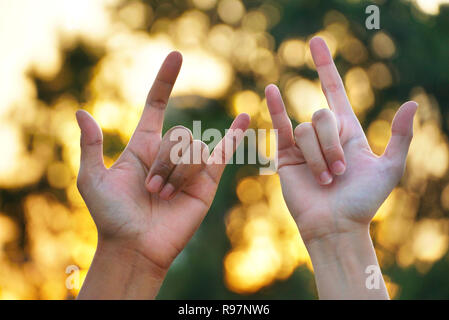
167, 191
338, 167
155, 183
325, 178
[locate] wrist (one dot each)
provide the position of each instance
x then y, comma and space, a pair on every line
346, 232
339, 245
343, 263
121, 271
325, 227
127, 255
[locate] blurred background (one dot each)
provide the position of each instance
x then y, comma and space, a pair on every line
58, 56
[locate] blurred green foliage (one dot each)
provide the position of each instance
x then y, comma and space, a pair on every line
421, 60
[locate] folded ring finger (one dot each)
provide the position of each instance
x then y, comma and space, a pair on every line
192, 162
173, 145
326, 129
307, 141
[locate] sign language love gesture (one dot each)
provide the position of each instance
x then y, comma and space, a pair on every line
332, 182
146, 208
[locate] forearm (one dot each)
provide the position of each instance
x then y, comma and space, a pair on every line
340, 265
118, 272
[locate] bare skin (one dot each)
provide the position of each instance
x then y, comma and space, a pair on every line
141, 227
333, 183
146, 209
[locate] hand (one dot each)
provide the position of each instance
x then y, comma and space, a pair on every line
331, 180
333, 183
142, 216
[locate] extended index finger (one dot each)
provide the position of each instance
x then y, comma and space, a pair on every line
153, 114
331, 81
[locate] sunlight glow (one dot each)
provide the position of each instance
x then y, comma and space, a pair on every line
229, 55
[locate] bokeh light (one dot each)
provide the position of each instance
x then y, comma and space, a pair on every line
103, 55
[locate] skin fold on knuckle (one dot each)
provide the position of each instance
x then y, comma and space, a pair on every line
157, 104
180, 129
178, 180
333, 152
317, 166
161, 168
333, 86
303, 130
321, 115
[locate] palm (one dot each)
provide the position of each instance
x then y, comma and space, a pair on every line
352, 196
151, 221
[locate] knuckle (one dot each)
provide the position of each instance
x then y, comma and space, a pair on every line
179, 131
180, 127
284, 130
321, 114
96, 142
177, 179
316, 165
158, 104
162, 168
333, 149
303, 129
333, 86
